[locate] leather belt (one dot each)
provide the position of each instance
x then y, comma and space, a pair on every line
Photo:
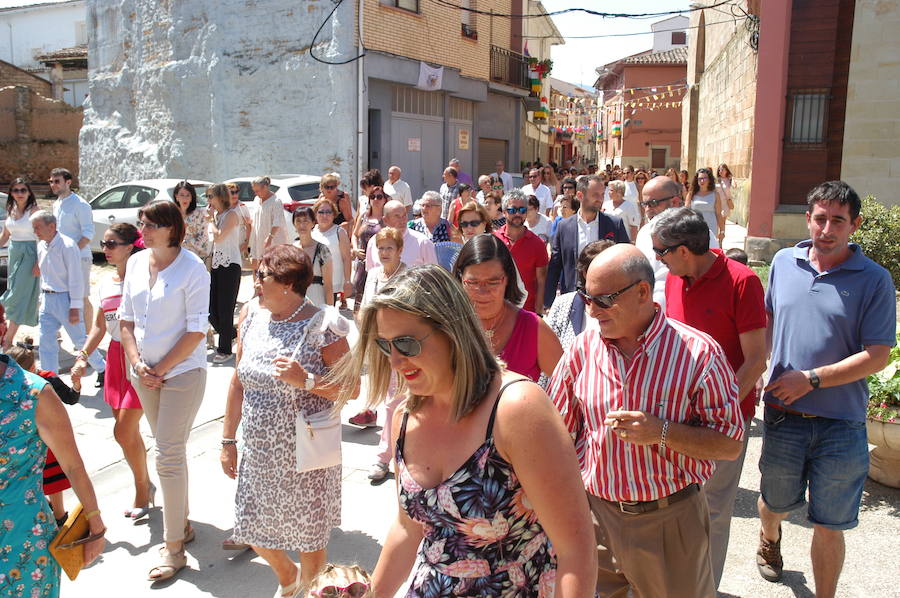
791, 411
52, 292
638, 507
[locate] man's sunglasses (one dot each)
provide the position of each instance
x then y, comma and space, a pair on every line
666, 250
407, 346
602, 301
112, 244
652, 203
519, 210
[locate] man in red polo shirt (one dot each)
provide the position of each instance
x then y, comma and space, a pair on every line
528, 250
723, 298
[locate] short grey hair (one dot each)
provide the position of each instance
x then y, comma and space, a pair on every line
638, 267
261, 180
513, 195
584, 181
431, 196
617, 186
485, 178
682, 226
452, 162
44, 216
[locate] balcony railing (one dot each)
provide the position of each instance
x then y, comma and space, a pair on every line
509, 67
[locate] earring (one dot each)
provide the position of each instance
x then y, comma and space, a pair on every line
284, 291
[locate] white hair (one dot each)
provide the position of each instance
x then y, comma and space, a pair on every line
617, 186
44, 216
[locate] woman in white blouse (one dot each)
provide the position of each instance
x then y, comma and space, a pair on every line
163, 319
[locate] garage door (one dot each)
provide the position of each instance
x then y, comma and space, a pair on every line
489, 152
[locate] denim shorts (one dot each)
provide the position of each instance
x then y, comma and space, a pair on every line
830, 456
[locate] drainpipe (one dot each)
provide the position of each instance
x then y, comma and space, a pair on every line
362, 103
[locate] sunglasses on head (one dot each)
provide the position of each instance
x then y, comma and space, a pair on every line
407, 346
602, 301
112, 244
519, 210
652, 203
357, 589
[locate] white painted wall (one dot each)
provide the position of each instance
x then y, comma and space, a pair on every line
28, 31
662, 36
213, 89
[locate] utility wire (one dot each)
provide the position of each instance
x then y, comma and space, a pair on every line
624, 34
596, 13
312, 45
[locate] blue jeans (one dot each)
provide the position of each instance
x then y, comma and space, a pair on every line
54, 313
830, 456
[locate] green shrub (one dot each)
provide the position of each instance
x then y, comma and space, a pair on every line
884, 389
879, 235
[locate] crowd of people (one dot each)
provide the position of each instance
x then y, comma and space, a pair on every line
569, 370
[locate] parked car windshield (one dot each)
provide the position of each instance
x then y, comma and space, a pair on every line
303, 192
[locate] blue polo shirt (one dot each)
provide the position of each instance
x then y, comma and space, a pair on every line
822, 318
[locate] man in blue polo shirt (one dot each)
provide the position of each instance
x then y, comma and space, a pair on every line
832, 322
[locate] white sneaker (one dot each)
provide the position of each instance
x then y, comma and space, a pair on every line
378, 472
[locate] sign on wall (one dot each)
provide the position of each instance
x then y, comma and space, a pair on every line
414, 144
463, 141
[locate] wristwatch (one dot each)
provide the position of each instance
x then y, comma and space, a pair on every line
310, 382
813, 378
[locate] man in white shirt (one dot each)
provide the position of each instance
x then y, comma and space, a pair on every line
62, 292
75, 221
269, 226
399, 189
631, 191
503, 176
417, 249
539, 190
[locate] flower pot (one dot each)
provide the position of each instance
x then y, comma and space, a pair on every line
884, 460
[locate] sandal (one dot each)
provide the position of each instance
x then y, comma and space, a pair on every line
135, 513
292, 591
171, 564
188, 533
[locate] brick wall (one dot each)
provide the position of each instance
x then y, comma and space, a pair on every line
723, 103
871, 156
434, 34
36, 135
13, 75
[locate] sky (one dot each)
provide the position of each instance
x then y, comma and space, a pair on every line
575, 61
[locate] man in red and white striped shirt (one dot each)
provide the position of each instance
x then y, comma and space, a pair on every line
651, 403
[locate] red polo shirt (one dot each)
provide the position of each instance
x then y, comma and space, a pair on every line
530, 253
724, 303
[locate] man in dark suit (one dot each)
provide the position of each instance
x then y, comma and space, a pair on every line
572, 234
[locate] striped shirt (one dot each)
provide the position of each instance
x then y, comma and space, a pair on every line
677, 373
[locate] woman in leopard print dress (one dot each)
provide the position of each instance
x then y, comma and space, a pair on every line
285, 347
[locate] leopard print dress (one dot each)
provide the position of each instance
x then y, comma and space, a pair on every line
276, 507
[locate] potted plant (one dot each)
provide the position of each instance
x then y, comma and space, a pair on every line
883, 422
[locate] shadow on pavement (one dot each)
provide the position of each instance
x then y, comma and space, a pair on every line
367, 436
876, 496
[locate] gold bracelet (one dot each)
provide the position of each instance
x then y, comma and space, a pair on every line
92, 513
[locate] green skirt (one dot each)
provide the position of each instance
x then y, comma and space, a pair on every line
22, 287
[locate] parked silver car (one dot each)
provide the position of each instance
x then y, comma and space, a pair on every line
121, 202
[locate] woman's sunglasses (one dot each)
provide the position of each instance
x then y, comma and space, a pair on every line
469, 223
19, 190
357, 589
379, 196
407, 346
112, 244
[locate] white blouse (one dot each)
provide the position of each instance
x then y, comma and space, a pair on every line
20, 229
227, 250
176, 304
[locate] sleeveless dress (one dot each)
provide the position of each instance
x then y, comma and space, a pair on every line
315, 292
277, 507
26, 524
520, 352
23, 288
706, 205
482, 538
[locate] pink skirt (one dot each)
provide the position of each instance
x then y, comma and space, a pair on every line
117, 389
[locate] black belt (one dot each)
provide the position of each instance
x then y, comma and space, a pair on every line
638, 507
53, 292
791, 411
317, 280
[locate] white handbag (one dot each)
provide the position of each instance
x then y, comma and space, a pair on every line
318, 435
318, 440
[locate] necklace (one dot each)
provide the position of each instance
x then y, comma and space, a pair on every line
290, 317
489, 330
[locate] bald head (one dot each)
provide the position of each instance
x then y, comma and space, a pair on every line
622, 276
394, 174
663, 189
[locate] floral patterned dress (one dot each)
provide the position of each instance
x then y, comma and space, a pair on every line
26, 521
482, 537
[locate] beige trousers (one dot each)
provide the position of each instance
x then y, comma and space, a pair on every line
661, 554
170, 411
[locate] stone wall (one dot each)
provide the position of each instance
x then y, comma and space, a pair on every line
37, 134
871, 158
721, 105
11, 75
214, 89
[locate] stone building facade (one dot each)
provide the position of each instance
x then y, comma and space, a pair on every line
213, 89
